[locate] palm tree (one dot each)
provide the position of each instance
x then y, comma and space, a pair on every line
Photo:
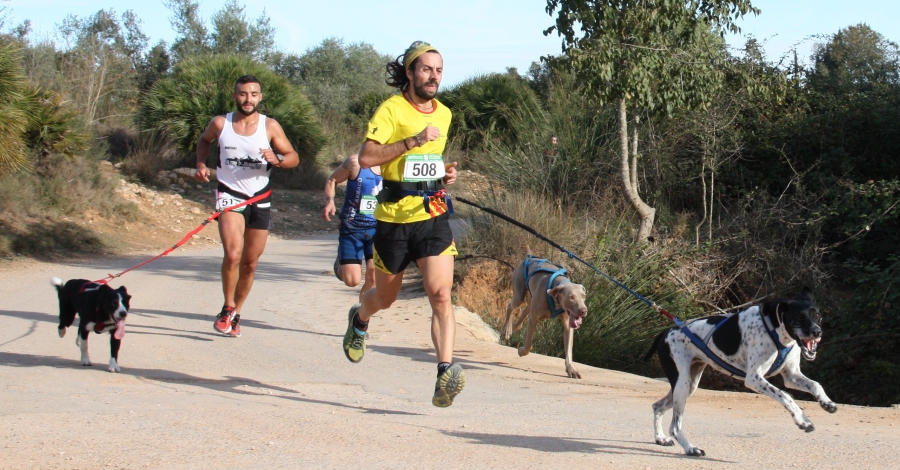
182, 105
13, 116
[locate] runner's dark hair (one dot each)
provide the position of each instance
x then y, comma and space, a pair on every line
396, 73
245, 80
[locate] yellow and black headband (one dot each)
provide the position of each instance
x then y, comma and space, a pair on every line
415, 50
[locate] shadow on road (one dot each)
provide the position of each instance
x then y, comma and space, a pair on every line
229, 384
564, 444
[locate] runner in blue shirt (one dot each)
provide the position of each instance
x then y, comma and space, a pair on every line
357, 223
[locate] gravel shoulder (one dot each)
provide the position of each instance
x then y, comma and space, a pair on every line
284, 396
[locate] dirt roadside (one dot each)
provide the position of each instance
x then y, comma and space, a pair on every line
284, 396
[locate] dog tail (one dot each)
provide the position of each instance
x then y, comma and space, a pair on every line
56, 282
655, 345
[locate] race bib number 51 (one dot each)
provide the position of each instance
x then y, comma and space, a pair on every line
225, 200
423, 167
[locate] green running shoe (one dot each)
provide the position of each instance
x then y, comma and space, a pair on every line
448, 386
354, 343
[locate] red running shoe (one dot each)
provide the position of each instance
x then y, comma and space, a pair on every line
235, 327
223, 320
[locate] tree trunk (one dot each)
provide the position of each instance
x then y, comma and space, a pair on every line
629, 181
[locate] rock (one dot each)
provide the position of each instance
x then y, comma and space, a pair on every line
187, 174
472, 323
194, 210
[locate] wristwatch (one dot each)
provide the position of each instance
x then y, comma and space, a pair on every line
280, 158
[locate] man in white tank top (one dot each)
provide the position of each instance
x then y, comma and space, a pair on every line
250, 145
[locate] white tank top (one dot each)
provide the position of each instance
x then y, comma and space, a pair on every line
242, 171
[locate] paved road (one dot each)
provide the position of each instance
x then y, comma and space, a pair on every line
284, 396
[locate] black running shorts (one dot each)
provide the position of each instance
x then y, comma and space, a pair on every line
256, 217
396, 245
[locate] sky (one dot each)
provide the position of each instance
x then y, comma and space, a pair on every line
473, 36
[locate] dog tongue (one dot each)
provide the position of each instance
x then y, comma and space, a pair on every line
120, 330
574, 322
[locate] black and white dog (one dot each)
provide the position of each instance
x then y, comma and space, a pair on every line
759, 342
101, 309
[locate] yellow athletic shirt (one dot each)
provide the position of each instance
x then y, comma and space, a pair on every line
397, 119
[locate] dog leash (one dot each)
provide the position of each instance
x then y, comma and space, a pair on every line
571, 255
215, 215
682, 326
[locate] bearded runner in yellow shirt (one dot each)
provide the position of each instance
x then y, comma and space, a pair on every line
406, 138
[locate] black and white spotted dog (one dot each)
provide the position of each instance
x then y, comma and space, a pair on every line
101, 309
759, 342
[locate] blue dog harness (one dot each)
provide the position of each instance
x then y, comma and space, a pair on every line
533, 261
734, 371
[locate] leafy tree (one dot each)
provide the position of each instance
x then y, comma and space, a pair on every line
182, 105
335, 75
231, 32
647, 56
191, 34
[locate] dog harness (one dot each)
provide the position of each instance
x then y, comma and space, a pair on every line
734, 371
537, 263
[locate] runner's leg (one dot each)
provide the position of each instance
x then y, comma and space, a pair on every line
231, 231
254, 244
387, 287
351, 273
437, 279
369, 280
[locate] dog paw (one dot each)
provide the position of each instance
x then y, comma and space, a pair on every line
574, 374
830, 406
523, 352
86, 363
695, 452
114, 366
62, 332
665, 441
808, 427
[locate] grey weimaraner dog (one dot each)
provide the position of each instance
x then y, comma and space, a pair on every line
552, 295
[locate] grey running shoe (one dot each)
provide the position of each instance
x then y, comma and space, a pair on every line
354, 343
337, 268
448, 386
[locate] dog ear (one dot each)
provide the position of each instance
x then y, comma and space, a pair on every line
552, 293
807, 295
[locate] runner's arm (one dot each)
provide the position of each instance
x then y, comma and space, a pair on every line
280, 144
373, 153
341, 174
204, 144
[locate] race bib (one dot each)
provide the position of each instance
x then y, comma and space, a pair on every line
367, 205
225, 200
423, 167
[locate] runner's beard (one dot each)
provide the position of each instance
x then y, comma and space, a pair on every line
247, 113
421, 92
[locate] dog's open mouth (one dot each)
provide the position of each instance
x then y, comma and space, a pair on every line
808, 348
575, 321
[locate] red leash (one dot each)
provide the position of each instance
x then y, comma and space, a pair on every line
209, 219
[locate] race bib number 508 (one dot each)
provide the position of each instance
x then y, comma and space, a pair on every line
423, 167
